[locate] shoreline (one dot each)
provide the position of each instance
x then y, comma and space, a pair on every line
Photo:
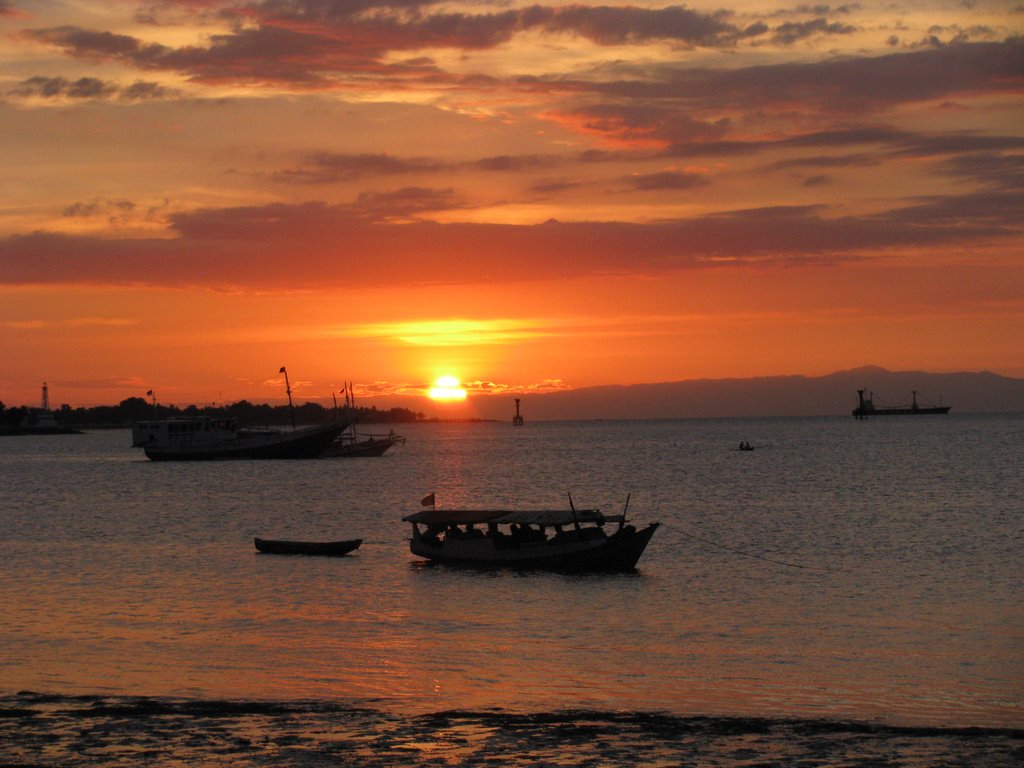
102, 730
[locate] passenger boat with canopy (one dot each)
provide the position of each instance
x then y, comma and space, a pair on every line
553, 539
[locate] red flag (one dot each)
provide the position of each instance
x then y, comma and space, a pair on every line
428, 501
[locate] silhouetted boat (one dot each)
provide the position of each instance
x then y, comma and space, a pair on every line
355, 445
205, 439
866, 407
322, 548
577, 540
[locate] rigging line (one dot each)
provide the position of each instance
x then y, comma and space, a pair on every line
759, 557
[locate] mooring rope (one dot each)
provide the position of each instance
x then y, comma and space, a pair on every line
786, 563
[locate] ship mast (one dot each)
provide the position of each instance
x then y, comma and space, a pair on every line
288, 389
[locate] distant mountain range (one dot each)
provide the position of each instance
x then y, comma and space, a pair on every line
831, 395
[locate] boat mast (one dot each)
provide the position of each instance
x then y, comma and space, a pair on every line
288, 389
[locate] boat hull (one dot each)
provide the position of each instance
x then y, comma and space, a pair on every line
305, 443
321, 548
361, 449
924, 411
618, 552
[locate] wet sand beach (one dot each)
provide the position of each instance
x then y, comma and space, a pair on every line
50, 731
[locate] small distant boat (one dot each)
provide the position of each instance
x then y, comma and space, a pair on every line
322, 548
560, 539
355, 445
866, 407
745, 446
204, 439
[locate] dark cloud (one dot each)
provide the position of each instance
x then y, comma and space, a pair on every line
643, 123
893, 141
89, 88
995, 170
98, 206
319, 245
794, 31
503, 163
53, 87
666, 180
308, 43
622, 24
404, 204
555, 186
328, 167
859, 160
852, 85
146, 91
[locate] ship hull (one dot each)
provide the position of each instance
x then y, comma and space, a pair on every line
315, 548
861, 412
305, 443
615, 553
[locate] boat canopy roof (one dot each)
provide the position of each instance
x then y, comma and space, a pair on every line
508, 517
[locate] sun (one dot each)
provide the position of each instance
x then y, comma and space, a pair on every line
447, 388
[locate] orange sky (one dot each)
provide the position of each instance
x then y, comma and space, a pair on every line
525, 196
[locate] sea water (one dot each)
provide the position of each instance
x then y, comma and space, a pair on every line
842, 572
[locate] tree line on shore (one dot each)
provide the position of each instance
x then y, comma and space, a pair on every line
247, 414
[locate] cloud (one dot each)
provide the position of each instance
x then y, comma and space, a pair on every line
318, 245
641, 124
404, 204
98, 206
794, 31
90, 88
514, 163
327, 167
331, 167
307, 44
677, 180
623, 24
852, 85
897, 143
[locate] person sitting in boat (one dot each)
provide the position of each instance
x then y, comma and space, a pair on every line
431, 534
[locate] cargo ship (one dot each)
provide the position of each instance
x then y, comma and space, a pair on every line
866, 407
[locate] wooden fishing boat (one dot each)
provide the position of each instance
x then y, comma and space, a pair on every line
206, 439
557, 539
351, 445
322, 548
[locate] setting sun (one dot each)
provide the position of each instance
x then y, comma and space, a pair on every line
447, 388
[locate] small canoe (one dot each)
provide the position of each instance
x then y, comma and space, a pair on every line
323, 548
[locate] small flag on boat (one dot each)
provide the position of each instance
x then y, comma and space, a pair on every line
428, 501
282, 369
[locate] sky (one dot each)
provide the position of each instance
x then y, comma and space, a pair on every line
525, 196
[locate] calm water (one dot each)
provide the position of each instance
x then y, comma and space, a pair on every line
842, 571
